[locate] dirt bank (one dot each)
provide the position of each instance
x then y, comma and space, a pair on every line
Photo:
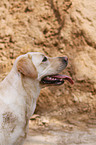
56, 28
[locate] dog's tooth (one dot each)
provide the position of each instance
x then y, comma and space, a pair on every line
54, 79
61, 79
49, 78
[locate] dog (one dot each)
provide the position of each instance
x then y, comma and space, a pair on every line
20, 89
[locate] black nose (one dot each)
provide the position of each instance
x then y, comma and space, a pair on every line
65, 59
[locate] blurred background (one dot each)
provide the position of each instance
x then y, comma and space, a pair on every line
55, 28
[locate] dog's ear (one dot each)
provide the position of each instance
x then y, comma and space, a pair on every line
26, 67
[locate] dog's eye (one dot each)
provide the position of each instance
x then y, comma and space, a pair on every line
44, 59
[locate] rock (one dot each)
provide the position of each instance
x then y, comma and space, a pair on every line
85, 68
34, 117
2, 46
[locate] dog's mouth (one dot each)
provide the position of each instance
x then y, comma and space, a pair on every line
57, 79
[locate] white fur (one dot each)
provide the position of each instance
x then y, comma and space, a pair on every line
18, 96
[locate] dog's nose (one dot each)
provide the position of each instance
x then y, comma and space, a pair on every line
65, 59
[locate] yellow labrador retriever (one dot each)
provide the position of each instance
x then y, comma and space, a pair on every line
20, 89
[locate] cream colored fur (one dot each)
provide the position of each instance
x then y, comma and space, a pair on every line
19, 92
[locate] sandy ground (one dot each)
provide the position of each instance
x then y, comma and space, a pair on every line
64, 138
54, 132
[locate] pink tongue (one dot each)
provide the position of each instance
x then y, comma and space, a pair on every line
64, 77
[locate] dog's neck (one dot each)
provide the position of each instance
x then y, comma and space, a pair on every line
23, 87
32, 89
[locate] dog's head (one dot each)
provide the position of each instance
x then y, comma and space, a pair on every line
44, 69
